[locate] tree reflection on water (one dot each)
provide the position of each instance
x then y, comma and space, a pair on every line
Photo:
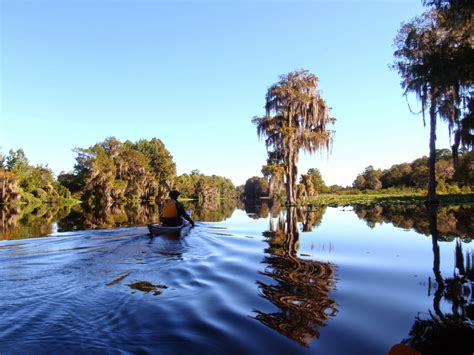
302, 287
439, 332
447, 332
32, 221
18, 223
212, 210
112, 217
451, 221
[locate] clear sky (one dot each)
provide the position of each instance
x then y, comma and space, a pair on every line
194, 73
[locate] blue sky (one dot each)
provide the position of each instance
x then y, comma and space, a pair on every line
194, 73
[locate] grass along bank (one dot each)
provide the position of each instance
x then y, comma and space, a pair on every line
386, 198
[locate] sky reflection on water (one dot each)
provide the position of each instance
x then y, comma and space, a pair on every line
354, 283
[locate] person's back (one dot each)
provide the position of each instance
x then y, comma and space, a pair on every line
173, 211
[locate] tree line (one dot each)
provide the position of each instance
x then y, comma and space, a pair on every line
309, 185
399, 177
416, 174
21, 181
106, 174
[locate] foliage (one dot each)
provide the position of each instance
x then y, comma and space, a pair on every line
415, 174
274, 173
296, 118
108, 174
311, 184
256, 187
112, 173
10, 191
369, 179
434, 57
317, 180
22, 182
203, 187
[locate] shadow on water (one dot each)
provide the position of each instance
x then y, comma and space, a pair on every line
439, 332
301, 288
447, 332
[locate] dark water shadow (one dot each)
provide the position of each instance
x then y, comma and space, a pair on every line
446, 332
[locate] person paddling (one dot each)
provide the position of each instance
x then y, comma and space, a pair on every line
173, 211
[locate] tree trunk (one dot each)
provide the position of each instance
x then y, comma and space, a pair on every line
3, 190
289, 175
432, 197
294, 173
290, 191
455, 147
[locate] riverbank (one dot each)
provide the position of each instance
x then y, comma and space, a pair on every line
383, 198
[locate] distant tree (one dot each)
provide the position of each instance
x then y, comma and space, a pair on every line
296, 118
465, 172
71, 181
256, 187
203, 187
206, 189
2, 161
317, 179
359, 182
397, 175
275, 174
335, 188
160, 160
9, 189
17, 163
369, 179
306, 184
186, 185
416, 173
301, 192
33, 184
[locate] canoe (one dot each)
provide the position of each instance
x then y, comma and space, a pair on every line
156, 229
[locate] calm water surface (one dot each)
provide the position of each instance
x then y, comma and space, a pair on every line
334, 281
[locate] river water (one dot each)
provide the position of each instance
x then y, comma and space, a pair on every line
353, 280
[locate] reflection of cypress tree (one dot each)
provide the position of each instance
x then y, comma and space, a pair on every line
302, 286
446, 333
